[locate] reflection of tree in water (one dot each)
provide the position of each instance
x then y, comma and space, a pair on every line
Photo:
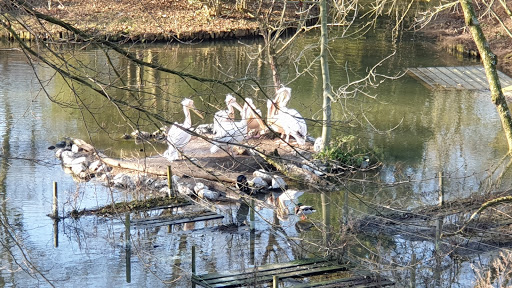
241, 213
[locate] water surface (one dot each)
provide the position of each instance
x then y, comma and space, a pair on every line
416, 132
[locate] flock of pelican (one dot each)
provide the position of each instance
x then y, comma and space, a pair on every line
288, 122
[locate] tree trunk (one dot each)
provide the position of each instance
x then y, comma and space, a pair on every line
490, 61
272, 60
324, 40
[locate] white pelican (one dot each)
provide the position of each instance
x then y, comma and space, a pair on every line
178, 135
231, 132
283, 95
223, 116
286, 121
253, 116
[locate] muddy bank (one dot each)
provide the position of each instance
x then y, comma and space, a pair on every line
201, 174
154, 21
449, 32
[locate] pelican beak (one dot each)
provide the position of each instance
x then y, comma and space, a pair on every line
197, 112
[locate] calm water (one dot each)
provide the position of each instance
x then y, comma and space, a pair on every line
417, 133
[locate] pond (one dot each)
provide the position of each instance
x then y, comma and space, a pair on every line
416, 132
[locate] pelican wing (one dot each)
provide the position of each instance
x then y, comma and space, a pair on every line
293, 124
233, 132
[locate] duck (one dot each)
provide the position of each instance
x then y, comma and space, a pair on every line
286, 121
303, 210
204, 192
231, 132
222, 116
255, 123
178, 136
242, 184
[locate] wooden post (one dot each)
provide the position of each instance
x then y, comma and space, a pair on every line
441, 190
55, 233
275, 281
413, 270
252, 250
127, 228
251, 215
326, 217
193, 264
169, 181
128, 248
55, 208
345, 207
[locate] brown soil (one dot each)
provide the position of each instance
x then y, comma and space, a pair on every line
192, 19
220, 166
155, 20
449, 29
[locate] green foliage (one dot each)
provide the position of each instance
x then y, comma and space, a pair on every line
345, 151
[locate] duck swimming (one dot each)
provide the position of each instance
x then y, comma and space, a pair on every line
242, 184
303, 210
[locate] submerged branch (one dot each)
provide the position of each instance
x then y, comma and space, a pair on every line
486, 205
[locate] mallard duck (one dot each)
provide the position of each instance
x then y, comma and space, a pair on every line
303, 210
178, 136
242, 184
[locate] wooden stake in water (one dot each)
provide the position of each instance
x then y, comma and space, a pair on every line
412, 284
345, 207
326, 217
275, 281
169, 182
128, 248
252, 246
55, 233
193, 264
441, 190
251, 215
127, 228
55, 208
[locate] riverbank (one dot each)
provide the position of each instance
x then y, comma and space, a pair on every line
194, 20
449, 32
156, 20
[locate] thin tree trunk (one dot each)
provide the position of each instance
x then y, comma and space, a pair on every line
490, 61
326, 127
272, 60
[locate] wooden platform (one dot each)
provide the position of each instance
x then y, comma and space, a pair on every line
294, 269
456, 78
174, 219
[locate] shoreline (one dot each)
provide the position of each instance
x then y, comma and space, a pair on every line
192, 21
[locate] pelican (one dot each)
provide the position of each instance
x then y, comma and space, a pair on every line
178, 136
283, 95
253, 117
286, 121
231, 132
223, 116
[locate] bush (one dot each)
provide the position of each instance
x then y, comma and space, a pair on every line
345, 151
